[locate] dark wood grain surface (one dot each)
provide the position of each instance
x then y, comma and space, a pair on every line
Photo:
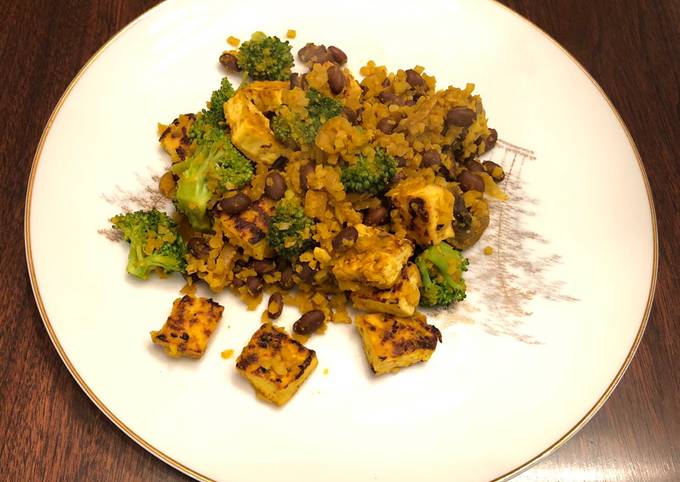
49, 429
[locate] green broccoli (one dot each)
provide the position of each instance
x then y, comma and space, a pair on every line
441, 269
215, 167
369, 175
154, 242
294, 131
265, 58
213, 116
290, 231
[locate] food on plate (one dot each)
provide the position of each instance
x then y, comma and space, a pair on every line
392, 343
441, 272
321, 189
265, 57
399, 300
155, 244
275, 364
189, 326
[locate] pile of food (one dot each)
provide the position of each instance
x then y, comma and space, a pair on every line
323, 191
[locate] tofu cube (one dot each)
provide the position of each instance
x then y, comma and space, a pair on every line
392, 343
249, 229
400, 300
275, 364
175, 137
250, 130
376, 259
189, 326
425, 211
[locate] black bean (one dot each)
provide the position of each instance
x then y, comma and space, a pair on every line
303, 82
287, 281
238, 282
309, 322
386, 125
414, 78
254, 285
305, 53
386, 82
491, 140
199, 247
494, 170
401, 162
460, 117
305, 172
398, 177
294, 80
376, 216
387, 97
431, 158
470, 181
306, 273
345, 238
262, 266
337, 55
235, 204
275, 306
351, 114
474, 166
336, 79
274, 186
313, 54
229, 62
280, 163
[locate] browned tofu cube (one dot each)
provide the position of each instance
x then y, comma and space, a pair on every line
249, 229
175, 137
400, 300
425, 211
275, 364
391, 343
189, 326
376, 259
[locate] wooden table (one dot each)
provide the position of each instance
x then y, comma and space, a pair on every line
49, 429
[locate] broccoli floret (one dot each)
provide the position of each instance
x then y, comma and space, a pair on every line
294, 130
215, 167
213, 116
154, 242
290, 231
441, 269
322, 108
369, 175
265, 58
215, 112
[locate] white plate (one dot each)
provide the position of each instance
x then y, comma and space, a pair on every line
552, 319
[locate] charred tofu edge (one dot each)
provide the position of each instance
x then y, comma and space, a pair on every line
402, 354
179, 336
400, 300
273, 340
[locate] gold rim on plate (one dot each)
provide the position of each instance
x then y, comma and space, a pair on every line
178, 465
